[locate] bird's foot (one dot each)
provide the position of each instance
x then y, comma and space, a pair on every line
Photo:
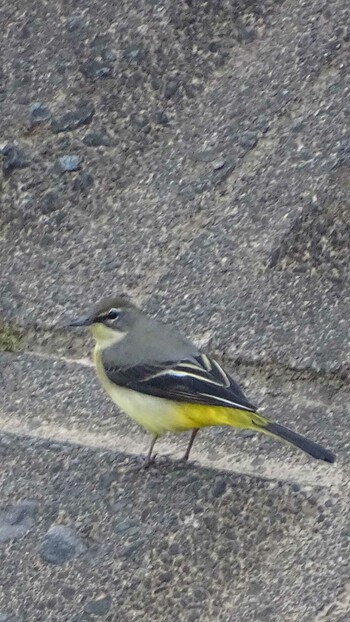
185, 461
145, 462
155, 462
148, 461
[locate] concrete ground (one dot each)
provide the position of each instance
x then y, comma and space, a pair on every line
195, 155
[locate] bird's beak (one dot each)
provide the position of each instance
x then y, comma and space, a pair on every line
81, 321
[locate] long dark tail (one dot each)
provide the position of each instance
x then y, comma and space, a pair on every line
315, 450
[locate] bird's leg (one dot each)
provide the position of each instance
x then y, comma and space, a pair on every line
189, 446
150, 458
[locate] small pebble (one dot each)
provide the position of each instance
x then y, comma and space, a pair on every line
210, 522
217, 164
129, 551
219, 487
171, 87
128, 527
73, 119
100, 606
97, 139
39, 114
13, 158
69, 163
162, 118
17, 520
134, 53
95, 69
50, 202
68, 592
107, 478
60, 544
248, 140
83, 183
76, 22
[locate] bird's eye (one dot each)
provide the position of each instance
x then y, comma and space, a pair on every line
113, 314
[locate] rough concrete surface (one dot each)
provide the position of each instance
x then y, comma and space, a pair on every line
196, 155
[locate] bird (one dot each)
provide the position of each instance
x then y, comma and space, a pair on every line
166, 384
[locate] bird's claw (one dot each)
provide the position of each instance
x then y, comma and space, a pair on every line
144, 462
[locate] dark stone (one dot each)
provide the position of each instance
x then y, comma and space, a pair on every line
17, 520
76, 22
214, 46
46, 241
94, 69
134, 53
100, 43
97, 139
83, 183
107, 478
128, 552
140, 120
69, 163
219, 487
100, 606
39, 114
266, 614
72, 120
171, 87
128, 527
245, 34
13, 158
50, 202
111, 265
68, 592
162, 118
210, 522
248, 140
174, 549
108, 55
60, 544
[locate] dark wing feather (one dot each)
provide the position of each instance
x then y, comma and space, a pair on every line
198, 381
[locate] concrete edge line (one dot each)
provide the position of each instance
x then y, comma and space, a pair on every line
137, 445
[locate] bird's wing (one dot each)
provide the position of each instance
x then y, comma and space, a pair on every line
200, 381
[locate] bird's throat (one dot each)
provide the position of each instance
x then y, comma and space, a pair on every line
105, 336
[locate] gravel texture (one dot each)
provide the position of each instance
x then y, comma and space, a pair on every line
197, 156
163, 544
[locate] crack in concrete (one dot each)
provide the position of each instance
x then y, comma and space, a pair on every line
337, 378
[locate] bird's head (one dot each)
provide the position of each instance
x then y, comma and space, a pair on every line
110, 319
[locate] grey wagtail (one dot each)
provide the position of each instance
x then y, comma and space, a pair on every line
162, 381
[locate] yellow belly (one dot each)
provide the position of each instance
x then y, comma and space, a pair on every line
155, 414
158, 415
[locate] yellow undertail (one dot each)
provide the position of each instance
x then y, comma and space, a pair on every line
201, 416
